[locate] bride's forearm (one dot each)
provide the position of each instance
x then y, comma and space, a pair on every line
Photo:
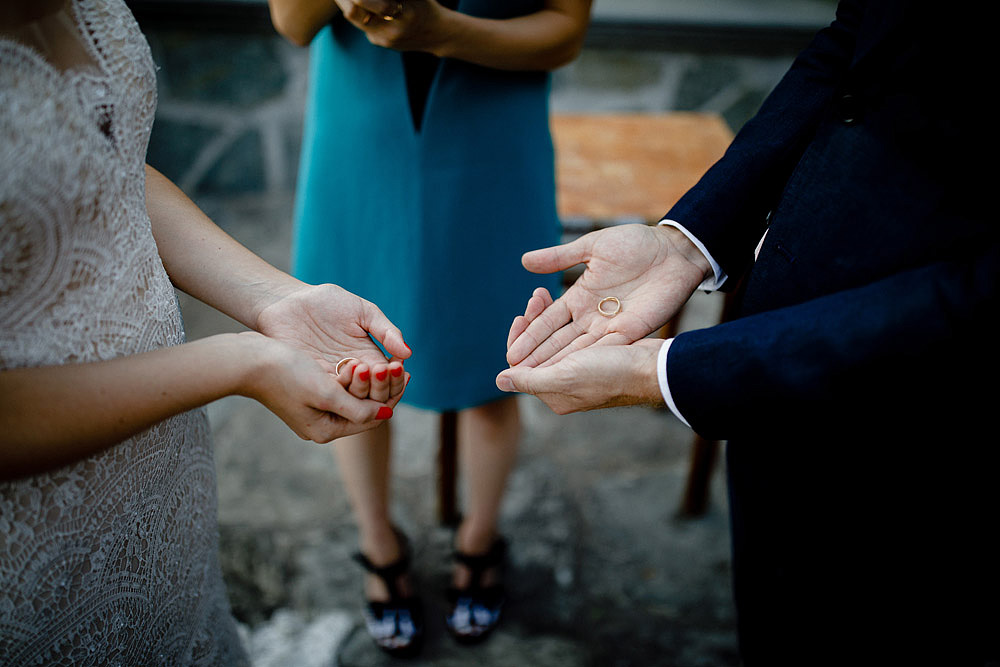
207, 263
51, 416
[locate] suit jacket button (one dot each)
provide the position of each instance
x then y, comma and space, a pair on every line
849, 109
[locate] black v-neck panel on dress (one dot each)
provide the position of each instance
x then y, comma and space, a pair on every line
419, 69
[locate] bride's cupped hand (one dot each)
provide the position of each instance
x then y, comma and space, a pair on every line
330, 324
649, 271
316, 404
380, 382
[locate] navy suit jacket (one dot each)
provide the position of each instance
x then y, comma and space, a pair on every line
856, 386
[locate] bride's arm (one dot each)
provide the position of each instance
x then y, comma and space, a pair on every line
54, 415
51, 416
202, 260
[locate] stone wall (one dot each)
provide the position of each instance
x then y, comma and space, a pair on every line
231, 103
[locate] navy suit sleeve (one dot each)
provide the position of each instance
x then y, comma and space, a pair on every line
914, 342
870, 298
728, 207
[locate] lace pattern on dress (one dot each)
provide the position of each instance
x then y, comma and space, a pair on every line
112, 560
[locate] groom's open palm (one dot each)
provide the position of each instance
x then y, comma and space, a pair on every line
652, 271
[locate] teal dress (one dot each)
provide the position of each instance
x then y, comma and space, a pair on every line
422, 197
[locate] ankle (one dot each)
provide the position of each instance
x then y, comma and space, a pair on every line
382, 548
381, 544
475, 538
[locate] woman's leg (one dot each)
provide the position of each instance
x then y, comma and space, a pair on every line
488, 437
363, 460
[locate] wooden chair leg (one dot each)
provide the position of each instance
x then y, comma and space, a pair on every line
703, 455
447, 465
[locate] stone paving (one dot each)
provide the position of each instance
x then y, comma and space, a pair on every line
602, 571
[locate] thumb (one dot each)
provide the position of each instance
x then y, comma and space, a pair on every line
385, 332
515, 380
505, 382
558, 258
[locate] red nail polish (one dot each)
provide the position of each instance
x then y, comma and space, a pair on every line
396, 372
384, 413
381, 375
364, 375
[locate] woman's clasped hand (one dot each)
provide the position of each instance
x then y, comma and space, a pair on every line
304, 337
331, 327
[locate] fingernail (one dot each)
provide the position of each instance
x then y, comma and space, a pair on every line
396, 372
504, 384
384, 413
381, 375
364, 375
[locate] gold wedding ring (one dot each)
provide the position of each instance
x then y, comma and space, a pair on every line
340, 364
609, 312
395, 15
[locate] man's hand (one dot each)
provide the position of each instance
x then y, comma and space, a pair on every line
652, 271
597, 377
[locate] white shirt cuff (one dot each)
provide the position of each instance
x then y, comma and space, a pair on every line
718, 275
661, 375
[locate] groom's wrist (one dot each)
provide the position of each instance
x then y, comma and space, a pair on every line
664, 384
646, 382
694, 251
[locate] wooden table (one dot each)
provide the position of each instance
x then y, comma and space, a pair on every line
618, 167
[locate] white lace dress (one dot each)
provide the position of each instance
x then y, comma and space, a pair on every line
112, 560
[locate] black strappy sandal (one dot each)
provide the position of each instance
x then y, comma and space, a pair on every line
474, 612
397, 626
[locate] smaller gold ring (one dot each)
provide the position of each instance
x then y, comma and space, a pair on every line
609, 313
340, 364
395, 14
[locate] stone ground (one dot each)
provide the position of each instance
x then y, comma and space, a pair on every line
602, 571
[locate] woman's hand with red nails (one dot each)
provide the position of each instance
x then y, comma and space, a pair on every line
316, 404
330, 324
